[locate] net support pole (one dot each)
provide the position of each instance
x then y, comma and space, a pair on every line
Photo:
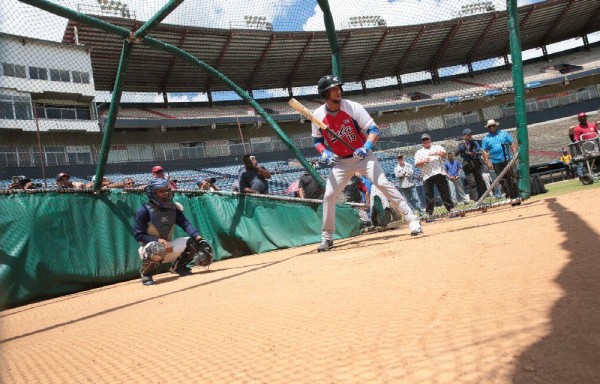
336, 60
519, 91
112, 114
157, 44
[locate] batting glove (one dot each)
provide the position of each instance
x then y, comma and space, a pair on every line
361, 153
328, 157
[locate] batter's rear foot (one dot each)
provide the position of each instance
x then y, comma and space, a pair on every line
325, 245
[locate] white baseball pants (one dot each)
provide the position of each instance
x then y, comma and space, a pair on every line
338, 178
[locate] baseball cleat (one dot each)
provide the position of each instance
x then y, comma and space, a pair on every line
147, 280
325, 245
183, 270
415, 228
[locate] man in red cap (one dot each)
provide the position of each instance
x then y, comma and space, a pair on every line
159, 173
585, 130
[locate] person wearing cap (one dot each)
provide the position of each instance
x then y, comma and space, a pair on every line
430, 160
498, 149
63, 181
584, 130
470, 152
567, 161
350, 150
207, 184
404, 171
158, 172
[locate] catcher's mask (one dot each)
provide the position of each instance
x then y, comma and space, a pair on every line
154, 186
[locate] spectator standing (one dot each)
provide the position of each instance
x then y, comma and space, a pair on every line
585, 130
471, 153
207, 184
429, 159
352, 124
153, 229
158, 172
496, 155
404, 171
254, 178
453, 169
308, 188
567, 161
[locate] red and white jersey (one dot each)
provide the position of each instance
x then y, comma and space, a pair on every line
585, 132
350, 123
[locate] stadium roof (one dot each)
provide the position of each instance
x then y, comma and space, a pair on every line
267, 60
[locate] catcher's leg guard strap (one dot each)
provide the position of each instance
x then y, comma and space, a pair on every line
147, 268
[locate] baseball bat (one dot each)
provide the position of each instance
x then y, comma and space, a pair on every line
498, 179
301, 109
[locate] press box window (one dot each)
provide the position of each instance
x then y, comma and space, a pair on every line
81, 77
13, 70
60, 75
36, 73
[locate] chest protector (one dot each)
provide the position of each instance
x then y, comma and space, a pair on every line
162, 221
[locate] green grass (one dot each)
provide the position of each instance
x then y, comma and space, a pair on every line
564, 187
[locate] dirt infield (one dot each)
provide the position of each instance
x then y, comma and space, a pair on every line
512, 295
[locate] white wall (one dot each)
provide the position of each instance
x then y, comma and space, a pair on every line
50, 55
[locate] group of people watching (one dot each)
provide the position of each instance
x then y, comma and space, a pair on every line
442, 171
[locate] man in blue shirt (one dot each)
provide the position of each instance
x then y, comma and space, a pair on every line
453, 168
498, 149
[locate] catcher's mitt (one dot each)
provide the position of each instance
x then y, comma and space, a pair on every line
203, 253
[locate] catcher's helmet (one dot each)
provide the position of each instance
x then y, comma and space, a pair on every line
153, 186
328, 82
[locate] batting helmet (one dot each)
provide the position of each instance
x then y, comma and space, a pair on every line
328, 82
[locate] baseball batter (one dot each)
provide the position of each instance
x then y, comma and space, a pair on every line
354, 125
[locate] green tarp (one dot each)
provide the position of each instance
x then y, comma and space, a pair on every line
58, 243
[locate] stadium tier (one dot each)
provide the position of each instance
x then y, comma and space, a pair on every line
381, 100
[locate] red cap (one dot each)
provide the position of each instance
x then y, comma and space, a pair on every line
157, 168
582, 114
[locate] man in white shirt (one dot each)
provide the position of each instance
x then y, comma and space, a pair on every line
405, 172
430, 160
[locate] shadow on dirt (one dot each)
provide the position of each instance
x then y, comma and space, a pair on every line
570, 353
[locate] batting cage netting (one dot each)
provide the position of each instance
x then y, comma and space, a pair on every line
98, 97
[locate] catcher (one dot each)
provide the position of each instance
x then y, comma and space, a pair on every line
153, 229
